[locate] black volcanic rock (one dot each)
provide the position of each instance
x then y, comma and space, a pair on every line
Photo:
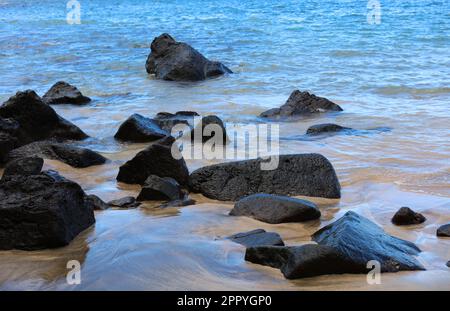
275, 209
24, 166
303, 261
25, 118
156, 159
167, 120
258, 237
210, 123
185, 201
448, 263
296, 174
41, 211
72, 155
178, 61
300, 103
64, 93
138, 128
345, 246
160, 188
325, 128
97, 203
125, 202
361, 240
443, 231
406, 216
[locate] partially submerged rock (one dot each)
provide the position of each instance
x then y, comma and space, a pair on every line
24, 166
178, 61
361, 240
257, 237
69, 154
345, 246
64, 93
167, 120
35, 120
443, 231
275, 209
160, 188
156, 159
406, 216
326, 128
185, 201
97, 203
296, 174
41, 211
138, 128
125, 202
300, 103
303, 261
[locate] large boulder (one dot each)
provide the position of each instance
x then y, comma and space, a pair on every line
443, 231
361, 240
257, 237
25, 118
296, 174
64, 93
157, 159
178, 61
345, 246
275, 209
138, 128
69, 154
406, 216
41, 211
160, 188
300, 103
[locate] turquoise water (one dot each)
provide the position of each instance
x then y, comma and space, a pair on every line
394, 75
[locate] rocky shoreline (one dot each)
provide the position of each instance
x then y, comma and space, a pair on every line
41, 209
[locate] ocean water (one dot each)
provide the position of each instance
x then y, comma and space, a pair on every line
394, 75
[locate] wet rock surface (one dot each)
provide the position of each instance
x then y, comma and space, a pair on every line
24, 166
326, 128
443, 231
178, 61
160, 188
406, 216
275, 209
211, 126
72, 155
156, 159
361, 240
97, 203
138, 128
257, 237
41, 211
125, 202
301, 103
64, 93
345, 246
296, 174
31, 119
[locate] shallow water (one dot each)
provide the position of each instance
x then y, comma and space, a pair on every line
394, 76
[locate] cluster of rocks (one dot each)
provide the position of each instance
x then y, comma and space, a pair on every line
41, 209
